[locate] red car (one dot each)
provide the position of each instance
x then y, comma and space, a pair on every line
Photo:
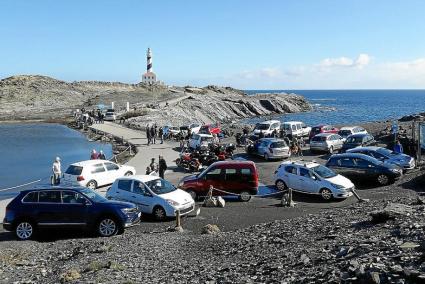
323, 128
210, 129
240, 177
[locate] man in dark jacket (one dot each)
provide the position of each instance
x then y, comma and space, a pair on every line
153, 135
148, 134
162, 166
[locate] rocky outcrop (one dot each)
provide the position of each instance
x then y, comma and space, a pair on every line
212, 104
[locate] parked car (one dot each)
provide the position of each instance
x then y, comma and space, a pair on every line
110, 115
358, 140
170, 131
210, 129
238, 177
360, 166
152, 195
267, 127
346, 131
95, 173
312, 178
322, 128
197, 141
326, 142
296, 128
67, 207
269, 148
387, 156
194, 127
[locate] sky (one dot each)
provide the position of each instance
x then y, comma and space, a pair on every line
274, 44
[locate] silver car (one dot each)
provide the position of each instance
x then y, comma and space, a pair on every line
269, 148
387, 156
326, 142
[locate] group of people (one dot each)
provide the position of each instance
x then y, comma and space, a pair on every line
153, 132
95, 155
160, 168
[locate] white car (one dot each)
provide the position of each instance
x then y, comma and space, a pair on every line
312, 178
200, 140
194, 127
346, 131
152, 195
95, 173
296, 128
110, 115
326, 142
267, 127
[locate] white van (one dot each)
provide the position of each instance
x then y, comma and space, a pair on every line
296, 128
267, 127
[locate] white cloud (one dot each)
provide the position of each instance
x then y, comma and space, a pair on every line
361, 61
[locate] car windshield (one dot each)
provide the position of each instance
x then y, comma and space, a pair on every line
323, 171
355, 139
74, 170
386, 152
318, 138
92, 195
206, 139
160, 186
344, 133
262, 126
278, 144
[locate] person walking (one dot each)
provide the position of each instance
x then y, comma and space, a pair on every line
56, 168
153, 138
162, 167
148, 134
161, 134
101, 155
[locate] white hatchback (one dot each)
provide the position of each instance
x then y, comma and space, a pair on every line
95, 173
312, 178
153, 195
200, 140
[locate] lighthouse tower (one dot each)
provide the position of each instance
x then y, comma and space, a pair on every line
149, 77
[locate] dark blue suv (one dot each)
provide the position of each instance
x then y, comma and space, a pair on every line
62, 207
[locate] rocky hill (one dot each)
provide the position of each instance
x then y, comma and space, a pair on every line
41, 97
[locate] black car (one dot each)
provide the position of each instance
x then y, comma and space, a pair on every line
357, 140
360, 166
75, 208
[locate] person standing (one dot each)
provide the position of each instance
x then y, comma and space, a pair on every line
153, 138
161, 134
101, 155
162, 167
93, 155
56, 168
153, 165
148, 134
398, 148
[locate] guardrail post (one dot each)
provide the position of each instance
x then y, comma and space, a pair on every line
178, 220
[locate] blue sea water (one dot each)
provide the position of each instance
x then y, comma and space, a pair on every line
353, 106
27, 151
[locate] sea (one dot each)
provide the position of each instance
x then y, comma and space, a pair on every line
28, 150
345, 107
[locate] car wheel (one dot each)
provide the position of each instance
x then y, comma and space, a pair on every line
281, 185
245, 196
331, 150
159, 213
24, 230
193, 194
383, 179
266, 157
92, 184
326, 194
129, 173
107, 227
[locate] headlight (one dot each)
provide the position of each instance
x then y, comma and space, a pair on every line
128, 210
395, 170
172, 202
337, 186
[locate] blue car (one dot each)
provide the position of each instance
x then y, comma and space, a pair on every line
67, 207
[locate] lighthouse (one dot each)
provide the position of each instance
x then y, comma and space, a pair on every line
149, 77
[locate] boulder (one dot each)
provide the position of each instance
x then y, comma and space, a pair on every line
210, 229
390, 212
220, 202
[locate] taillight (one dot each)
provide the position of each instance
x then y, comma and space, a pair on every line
80, 178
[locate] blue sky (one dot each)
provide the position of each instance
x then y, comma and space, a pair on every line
276, 44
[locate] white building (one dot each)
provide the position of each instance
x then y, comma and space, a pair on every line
149, 77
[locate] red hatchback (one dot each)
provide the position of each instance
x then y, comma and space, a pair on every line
323, 128
239, 177
210, 129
